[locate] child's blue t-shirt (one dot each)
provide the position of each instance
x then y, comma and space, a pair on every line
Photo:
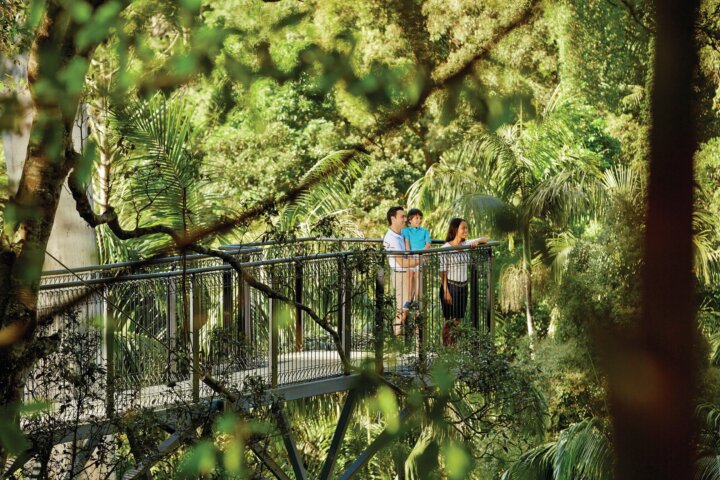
418, 237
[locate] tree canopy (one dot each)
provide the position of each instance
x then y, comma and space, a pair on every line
543, 124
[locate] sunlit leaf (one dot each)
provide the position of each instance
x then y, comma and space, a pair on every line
457, 460
387, 404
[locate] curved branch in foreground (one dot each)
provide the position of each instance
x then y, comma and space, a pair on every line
184, 241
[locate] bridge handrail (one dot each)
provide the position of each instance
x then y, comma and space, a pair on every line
176, 272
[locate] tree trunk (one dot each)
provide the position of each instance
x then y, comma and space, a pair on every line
38, 196
653, 379
72, 241
15, 142
98, 118
48, 161
527, 269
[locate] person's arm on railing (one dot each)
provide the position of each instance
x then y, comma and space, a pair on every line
478, 241
403, 261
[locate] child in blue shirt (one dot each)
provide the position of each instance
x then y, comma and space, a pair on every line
416, 238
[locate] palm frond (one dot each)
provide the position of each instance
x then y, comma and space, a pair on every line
326, 201
708, 416
621, 179
321, 205
537, 464
563, 195
159, 179
438, 190
422, 456
342, 163
707, 255
634, 98
487, 212
583, 451
707, 468
558, 99
560, 248
511, 288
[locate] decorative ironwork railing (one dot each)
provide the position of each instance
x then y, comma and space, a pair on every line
326, 307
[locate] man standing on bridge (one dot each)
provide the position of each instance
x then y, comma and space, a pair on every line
399, 265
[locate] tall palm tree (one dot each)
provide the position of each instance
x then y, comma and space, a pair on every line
512, 179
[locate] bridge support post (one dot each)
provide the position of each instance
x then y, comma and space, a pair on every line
379, 320
195, 341
345, 307
228, 302
299, 335
421, 320
274, 332
382, 440
109, 353
490, 310
172, 329
474, 290
295, 457
339, 435
271, 464
244, 321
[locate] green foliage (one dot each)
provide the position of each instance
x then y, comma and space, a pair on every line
603, 50
234, 101
11, 23
161, 180
386, 180
605, 265
323, 210
583, 451
571, 379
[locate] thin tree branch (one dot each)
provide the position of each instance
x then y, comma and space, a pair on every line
274, 294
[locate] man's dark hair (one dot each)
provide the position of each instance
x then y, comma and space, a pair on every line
391, 213
414, 212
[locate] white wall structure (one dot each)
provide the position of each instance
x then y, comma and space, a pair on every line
72, 241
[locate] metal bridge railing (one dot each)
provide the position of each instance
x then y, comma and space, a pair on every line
157, 331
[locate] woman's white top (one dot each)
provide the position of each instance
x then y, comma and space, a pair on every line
455, 264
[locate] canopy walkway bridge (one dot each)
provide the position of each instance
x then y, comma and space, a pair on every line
300, 318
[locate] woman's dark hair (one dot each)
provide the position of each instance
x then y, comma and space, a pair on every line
453, 228
414, 212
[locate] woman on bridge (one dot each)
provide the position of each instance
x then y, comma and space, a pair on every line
454, 275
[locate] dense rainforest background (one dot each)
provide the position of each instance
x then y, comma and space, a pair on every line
532, 119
